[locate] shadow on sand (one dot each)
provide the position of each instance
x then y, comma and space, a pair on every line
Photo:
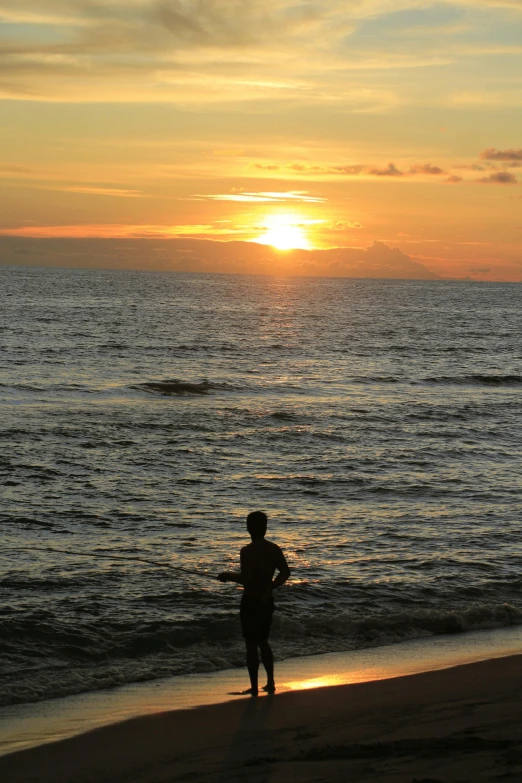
252, 744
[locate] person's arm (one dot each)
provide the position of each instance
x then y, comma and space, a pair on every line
234, 576
282, 567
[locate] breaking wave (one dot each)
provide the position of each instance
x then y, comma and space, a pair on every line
88, 658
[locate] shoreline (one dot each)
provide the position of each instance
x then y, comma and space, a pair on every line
456, 724
31, 725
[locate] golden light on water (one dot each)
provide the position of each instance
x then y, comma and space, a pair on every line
285, 232
316, 682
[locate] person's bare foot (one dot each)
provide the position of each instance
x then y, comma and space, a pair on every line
248, 692
269, 687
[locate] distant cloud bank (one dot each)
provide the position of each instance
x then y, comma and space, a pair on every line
379, 260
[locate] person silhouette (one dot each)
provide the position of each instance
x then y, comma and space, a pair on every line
259, 561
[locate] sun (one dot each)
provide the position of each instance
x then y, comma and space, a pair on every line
284, 232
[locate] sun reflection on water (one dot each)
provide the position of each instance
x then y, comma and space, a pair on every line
316, 682
362, 673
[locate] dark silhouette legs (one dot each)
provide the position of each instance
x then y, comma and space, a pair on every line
268, 662
252, 660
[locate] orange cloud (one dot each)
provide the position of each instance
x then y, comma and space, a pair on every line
506, 155
426, 168
266, 167
390, 171
499, 178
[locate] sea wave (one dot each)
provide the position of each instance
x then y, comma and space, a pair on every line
88, 659
473, 379
175, 386
377, 379
479, 379
23, 387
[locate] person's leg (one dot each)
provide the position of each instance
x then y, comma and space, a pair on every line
249, 627
268, 662
252, 660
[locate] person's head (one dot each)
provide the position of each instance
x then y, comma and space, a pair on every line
256, 524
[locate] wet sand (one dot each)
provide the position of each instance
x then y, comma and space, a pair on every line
457, 724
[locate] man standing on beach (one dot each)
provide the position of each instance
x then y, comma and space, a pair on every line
259, 561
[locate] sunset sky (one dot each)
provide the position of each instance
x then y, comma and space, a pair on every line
362, 124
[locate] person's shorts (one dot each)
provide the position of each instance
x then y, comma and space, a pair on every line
256, 618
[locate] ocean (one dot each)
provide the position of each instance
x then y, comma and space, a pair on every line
376, 422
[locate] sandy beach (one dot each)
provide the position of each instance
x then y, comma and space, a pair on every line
458, 724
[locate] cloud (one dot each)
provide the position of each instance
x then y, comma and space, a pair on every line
266, 166
307, 168
156, 49
304, 167
390, 171
453, 179
343, 225
209, 50
473, 166
351, 169
379, 260
426, 168
506, 155
102, 191
330, 55
356, 169
263, 197
11, 169
496, 96
49, 13
236, 24
499, 178
25, 251
113, 231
